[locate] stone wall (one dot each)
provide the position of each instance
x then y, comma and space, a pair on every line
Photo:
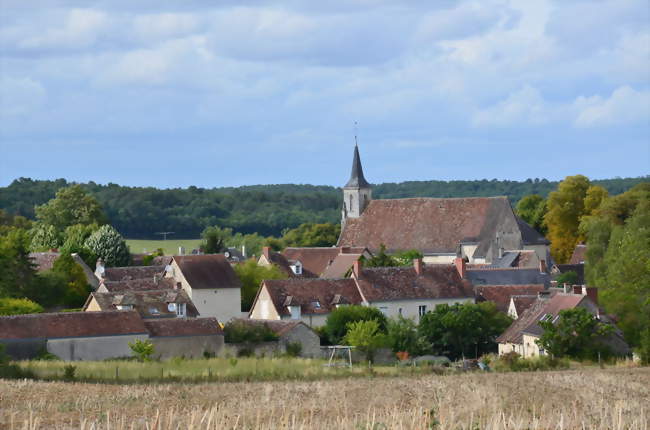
93, 348
23, 349
186, 346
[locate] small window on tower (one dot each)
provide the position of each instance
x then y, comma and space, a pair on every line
350, 207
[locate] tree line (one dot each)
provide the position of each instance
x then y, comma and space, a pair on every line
268, 210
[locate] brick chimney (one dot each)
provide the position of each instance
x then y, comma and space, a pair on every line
356, 268
542, 266
418, 266
460, 266
577, 289
591, 292
266, 252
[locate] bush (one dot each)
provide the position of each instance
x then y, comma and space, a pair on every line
336, 326
69, 372
644, 347
403, 337
512, 362
293, 349
242, 332
9, 370
366, 337
142, 350
19, 306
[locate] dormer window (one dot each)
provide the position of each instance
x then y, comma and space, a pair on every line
295, 312
297, 268
315, 304
154, 311
181, 310
124, 307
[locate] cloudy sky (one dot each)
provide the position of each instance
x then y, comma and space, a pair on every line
234, 92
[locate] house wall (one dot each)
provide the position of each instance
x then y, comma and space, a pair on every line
438, 259
505, 348
410, 308
530, 348
93, 306
306, 337
264, 308
311, 320
262, 349
23, 349
262, 261
542, 252
468, 251
186, 346
93, 348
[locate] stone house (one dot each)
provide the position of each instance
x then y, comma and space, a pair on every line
185, 337
291, 331
210, 282
522, 335
478, 229
309, 300
127, 273
167, 303
411, 292
314, 262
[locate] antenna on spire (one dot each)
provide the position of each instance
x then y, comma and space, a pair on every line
355, 133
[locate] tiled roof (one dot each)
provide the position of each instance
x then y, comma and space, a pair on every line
44, 260
285, 266
579, 254
147, 303
132, 272
340, 266
523, 302
207, 271
279, 327
403, 283
501, 294
529, 235
314, 260
183, 327
313, 295
508, 276
71, 324
147, 284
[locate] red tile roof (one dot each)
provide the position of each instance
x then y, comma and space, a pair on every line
340, 266
71, 324
579, 254
403, 283
147, 303
44, 260
147, 284
314, 260
279, 327
501, 294
207, 271
132, 272
522, 303
170, 327
313, 295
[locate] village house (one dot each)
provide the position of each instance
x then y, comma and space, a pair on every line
478, 229
127, 273
168, 303
314, 262
522, 335
290, 332
309, 300
411, 292
210, 282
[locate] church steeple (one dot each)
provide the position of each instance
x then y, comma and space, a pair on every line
357, 192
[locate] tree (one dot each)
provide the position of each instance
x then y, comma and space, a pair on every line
403, 336
463, 329
10, 306
143, 350
366, 336
215, 239
74, 242
336, 325
310, 234
406, 258
569, 277
381, 259
74, 280
576, 333
532, 209
72, 205
251, 276
17, 271
44, 237
109, 245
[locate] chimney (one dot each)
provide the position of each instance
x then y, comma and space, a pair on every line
243, 251
417, 265
577, 289
542, 266
266, 252
181, 250
591, 292
356, 268
500, 252
178, 286
460, 266
567, 288
99, 268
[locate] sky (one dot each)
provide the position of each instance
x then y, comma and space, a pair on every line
239, 92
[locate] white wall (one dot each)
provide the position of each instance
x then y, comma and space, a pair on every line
410, 308
311, 320
93, 348
439, 259
263, 308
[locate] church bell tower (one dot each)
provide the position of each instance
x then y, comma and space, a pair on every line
357, 192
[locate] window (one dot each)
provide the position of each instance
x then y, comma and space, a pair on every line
297, 268
124, 307
181, 309
350, 207
154, 311
295, 312
422, 309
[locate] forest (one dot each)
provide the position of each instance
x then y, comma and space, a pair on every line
141, 212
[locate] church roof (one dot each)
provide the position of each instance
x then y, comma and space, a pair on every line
356, 177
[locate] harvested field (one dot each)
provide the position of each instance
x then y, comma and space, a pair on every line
617, 398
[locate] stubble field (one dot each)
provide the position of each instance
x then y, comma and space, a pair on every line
617, 398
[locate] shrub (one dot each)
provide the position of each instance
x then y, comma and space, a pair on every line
403, 337
69, 372
243, 332
512, 362
19, 306
644, 347
337, 322
142, 350
293, 349
366, 337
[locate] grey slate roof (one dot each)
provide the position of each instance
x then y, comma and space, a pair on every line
508, 276
529, 235
356, 177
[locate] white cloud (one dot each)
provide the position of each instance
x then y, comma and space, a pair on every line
20, 96
523, 107
154, 27
624, 106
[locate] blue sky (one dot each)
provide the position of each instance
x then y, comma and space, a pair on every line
171, 94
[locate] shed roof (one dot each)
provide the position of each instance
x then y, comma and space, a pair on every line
579, 254
207, 271
146, 284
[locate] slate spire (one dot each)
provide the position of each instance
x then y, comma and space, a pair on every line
356, 177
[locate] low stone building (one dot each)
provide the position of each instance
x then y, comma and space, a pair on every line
185, 337
289, 332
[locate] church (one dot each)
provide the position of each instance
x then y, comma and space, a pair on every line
481, 230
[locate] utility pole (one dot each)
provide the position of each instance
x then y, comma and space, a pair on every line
165, 233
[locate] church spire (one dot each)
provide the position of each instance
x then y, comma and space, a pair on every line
356, 177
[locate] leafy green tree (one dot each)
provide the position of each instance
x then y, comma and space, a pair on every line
644, 346
576, 333
108, 244
310, 234
72, 205
10, 306
336, 325
143, 350
215, 239
17, 271
381, 259
406, 258
44, 237
366, 336
48, 289
569, 277
74, 280
251, 276
463, 329
403, 336
238, 331
74, 242
532, 209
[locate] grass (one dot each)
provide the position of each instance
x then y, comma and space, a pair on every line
593, 398
170, 246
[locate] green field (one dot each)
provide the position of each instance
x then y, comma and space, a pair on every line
170, 246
